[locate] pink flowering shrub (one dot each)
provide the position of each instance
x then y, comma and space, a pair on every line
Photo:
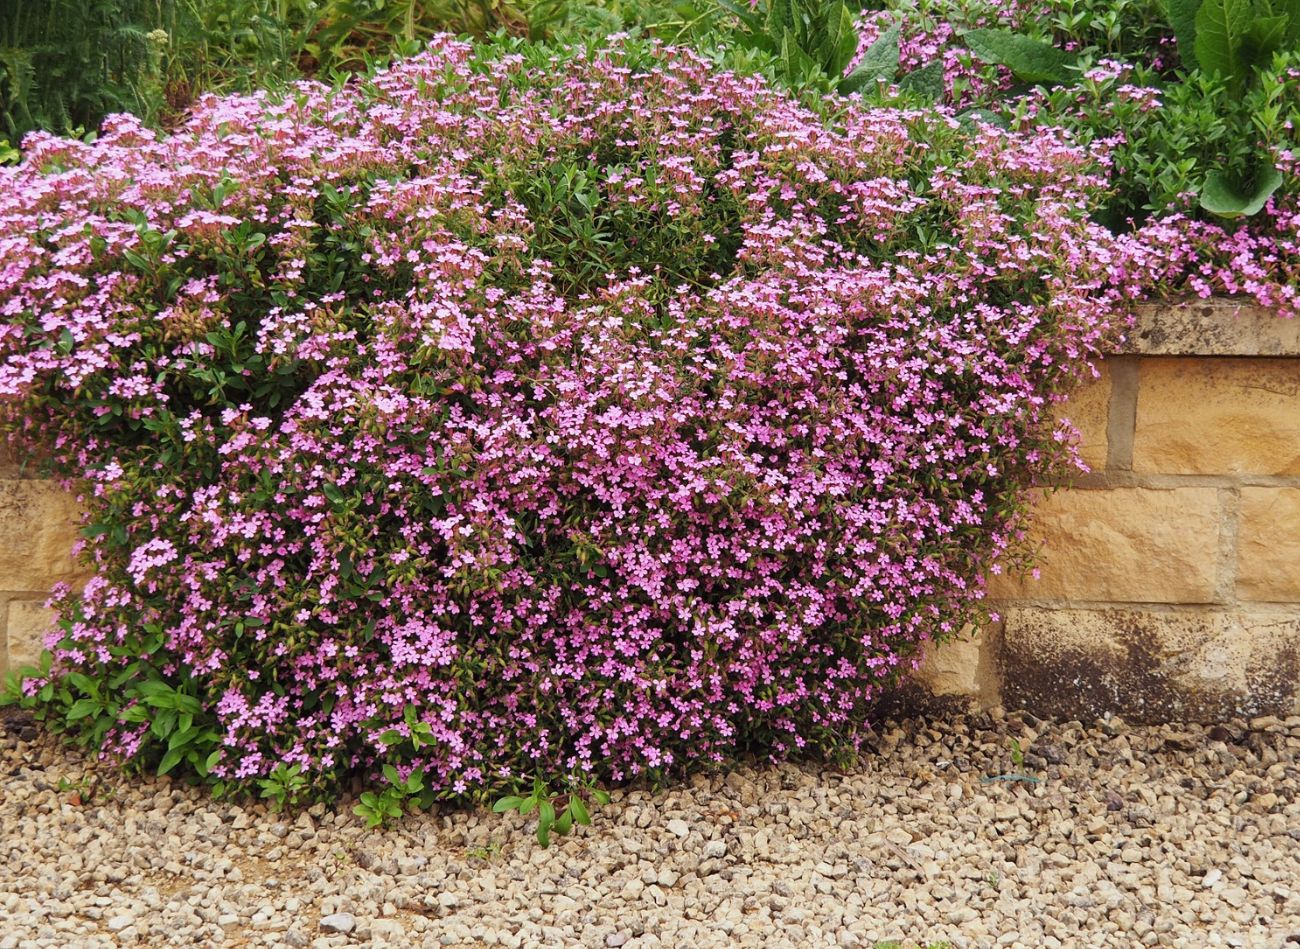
559, 414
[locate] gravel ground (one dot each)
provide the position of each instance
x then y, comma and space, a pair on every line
1155, 836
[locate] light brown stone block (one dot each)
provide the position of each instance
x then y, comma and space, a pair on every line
953, 668
1218, 416
1149, 666
1123, 545
1268, 545
38, 526
1088, 409
29, 621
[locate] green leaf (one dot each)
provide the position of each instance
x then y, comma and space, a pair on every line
1182, 17
880, 61
1029, 59
975, 117
1221, 196
926, 82
170, 760
546, 813
1264, 38
841, 40
1221, 27
564, 823
600, 797
181, 737
780, 16
798, 64
579, 810
82, 708
507, 803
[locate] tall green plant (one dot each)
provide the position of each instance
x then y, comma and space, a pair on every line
64, 64
1236, 41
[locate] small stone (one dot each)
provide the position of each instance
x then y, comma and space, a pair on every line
668, 877
614, 940
448, 900
338, 923
118, 923
1235, 897
679, 827
715, 850
1212, 877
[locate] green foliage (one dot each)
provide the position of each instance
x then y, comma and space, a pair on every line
811, 41
285, 786
555, 813
387, 805
64, 64
1029, 59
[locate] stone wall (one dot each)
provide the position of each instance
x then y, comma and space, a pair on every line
1170, 581
38, 527
1170, 575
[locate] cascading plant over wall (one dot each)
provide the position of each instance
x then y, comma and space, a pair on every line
529, 414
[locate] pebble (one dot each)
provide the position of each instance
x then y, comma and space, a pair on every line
338, 923
1140, 835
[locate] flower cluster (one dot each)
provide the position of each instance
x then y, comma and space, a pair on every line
562, 413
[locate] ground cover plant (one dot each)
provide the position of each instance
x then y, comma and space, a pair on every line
513, 421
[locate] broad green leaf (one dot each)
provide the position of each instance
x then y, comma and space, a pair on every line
1222, 197
880, 61
841, 40
1221, 27
170, 760
1029, 59
975, 117
1265, 37
579, 810
82, 708
780, 17
926, 82
798, 64
1182, 17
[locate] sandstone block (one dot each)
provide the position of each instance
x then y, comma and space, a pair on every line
1268, 545
1151, 666
1213, 328
1125, 545
1218, 416
29, 621
953, 668
1088, 409
38, 527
